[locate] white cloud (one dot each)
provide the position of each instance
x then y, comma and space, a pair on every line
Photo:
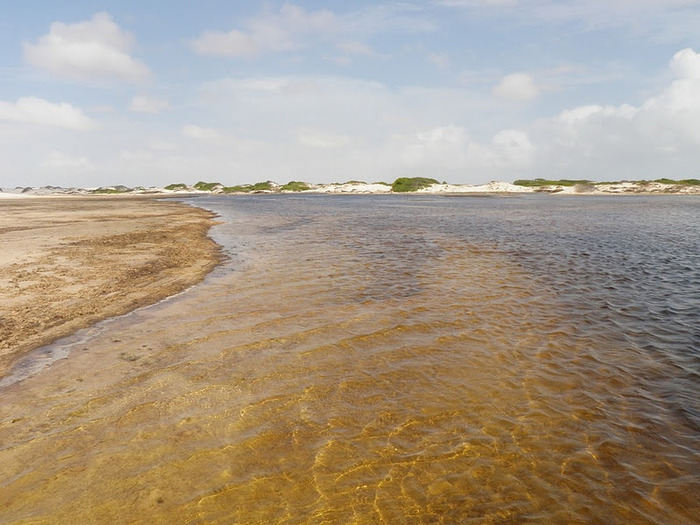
231, 44
322, 140
139, 156
440, 148
292, 28
572, 117
518, 87
357, 128
668, 20
413, 131
162, 145
144, 104
96, 49
605, 13
34, 110
286, 30
271, 106
197, 132
686, 64
512, 149
657, 138
58, 160
389, 18
450, 134
450, 152
327, 128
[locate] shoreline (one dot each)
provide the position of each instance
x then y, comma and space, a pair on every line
363, 188
68, 263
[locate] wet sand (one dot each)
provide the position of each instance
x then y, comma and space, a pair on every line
66, 263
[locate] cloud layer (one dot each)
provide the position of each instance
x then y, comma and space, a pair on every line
33, 110
460, 90
286, 30
96, 49
516, 87
144, 104
654, 139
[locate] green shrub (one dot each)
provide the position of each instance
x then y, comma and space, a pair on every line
687, 182
262, 186
111, 190
404, 184
178, 186
295, 186
237, 189
207, 186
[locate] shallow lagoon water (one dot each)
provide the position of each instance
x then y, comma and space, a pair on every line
395, 359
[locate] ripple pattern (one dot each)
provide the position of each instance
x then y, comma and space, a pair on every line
386, 360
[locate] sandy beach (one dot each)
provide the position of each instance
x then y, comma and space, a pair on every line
68, 262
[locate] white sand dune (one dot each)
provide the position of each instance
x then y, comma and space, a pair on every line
497, 187
491, 187
5, 195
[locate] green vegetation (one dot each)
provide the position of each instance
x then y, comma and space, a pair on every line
538, 183
178, 186
207, 186
236, 189
295, 186
686, 182
250, 188
585, 184
262, 186
111, 190
354, 182
405, 184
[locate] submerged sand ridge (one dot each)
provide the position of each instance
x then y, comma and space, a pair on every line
66, 263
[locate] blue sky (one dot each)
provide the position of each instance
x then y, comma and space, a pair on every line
465, 91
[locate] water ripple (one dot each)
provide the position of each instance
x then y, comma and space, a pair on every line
391, 360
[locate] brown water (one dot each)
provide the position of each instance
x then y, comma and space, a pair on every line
385, 360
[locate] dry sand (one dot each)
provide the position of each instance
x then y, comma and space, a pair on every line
66, 263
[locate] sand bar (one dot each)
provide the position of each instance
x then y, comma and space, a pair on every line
68, 262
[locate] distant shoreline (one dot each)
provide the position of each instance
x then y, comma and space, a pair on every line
362, 188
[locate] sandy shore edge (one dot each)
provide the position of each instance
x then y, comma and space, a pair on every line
363, 188
69, 262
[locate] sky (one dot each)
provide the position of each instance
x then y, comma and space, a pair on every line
148, 93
